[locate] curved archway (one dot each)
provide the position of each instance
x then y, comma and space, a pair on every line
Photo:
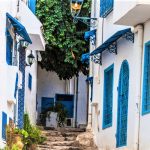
122, 114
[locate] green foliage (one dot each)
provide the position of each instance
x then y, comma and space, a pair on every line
65, 41
61, 114
31, 134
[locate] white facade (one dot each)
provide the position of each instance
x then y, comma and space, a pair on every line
49, 85
124, 14
8, 72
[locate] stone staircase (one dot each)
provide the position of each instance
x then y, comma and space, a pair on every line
63, 139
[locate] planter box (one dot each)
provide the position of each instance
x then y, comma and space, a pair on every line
51, 121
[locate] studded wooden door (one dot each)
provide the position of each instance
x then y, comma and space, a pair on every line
122, 117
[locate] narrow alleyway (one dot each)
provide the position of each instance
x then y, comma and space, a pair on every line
64, 139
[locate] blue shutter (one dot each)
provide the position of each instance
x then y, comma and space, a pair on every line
146, 81
4, 124
30, 81
122, 114
32, 5
106, 6
16, 85
9, 44
108, 97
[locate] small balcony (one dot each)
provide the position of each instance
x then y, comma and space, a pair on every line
131, 12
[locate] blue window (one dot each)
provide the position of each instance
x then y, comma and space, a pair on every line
146, 81
16, 86
122, 112
30, 81
32, 5
106, 6
108, 97
4, 124
9, 47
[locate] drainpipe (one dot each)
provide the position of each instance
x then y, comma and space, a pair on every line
140, 31
76, 105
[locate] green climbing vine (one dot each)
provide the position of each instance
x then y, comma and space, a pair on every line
65, 39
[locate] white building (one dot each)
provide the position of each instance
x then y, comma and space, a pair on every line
51, 89
119, 113
18, 27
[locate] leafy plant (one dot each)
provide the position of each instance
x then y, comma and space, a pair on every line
31, 134
61, 111
65, 39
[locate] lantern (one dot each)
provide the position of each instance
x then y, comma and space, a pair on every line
30, 59
76, 6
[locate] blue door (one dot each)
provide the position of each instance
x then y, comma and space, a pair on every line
46, 103
122, 117
4, 124
68, 102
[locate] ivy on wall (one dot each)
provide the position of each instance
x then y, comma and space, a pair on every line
65, 39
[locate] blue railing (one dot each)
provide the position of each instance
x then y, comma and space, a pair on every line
106, 6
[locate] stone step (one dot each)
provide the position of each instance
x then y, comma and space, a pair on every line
70, 138
44, 146
70, 130
63, 143
51, 133
65, 148
54, 139
70, 134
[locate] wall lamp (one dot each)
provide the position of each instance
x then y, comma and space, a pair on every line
30, 59
76, 6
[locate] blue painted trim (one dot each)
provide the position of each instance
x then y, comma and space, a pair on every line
146, 58
85, 58
30, 81
109, 43
32, 5
9, 44
16, 86
111, 67
21, 92
19, 28
118, 106
88, 34
106, 6
4, 123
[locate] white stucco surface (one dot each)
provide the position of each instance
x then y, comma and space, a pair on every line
49, 85
126, 50
8, 74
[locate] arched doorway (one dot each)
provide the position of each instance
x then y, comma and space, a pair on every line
122, 114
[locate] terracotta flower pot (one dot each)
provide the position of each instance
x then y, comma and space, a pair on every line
32, 147
18, 141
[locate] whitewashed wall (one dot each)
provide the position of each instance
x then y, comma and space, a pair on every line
106, 139
145, 119
31, 95
82, 101
8, 73
49, 84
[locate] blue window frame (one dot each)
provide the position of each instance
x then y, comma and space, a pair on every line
32, 5
108, 97
9, 47
122, 112
106, 6
4, 123
16, 86
146, 81
30, 81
